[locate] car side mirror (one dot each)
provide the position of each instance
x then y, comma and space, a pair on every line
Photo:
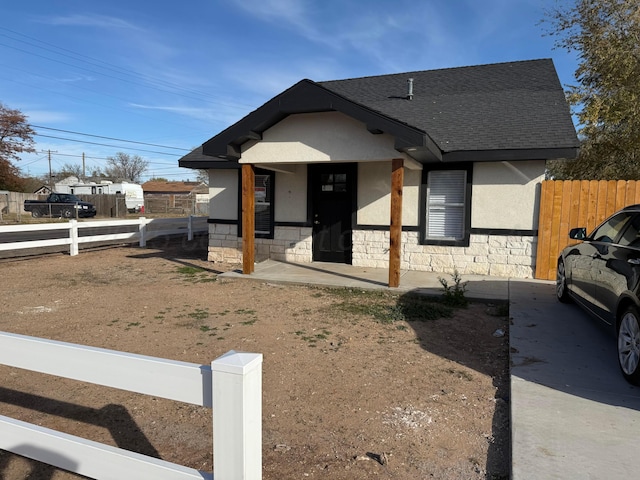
578, 233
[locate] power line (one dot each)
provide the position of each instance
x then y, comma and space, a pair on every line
84, 100
166, 166
107, 145
111, 138
149, 82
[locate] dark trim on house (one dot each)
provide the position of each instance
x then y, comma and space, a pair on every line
498, 232
222, 221
293, 224
508, 155
464, 241
385, 228
504, 232
209, 165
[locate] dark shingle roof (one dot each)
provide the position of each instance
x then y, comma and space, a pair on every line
517, 105
505, 111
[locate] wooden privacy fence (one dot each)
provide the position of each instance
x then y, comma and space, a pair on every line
231, 385
567, 204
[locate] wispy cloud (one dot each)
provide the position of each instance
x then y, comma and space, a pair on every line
135, 36
291, 12
397, 36
76, 78
93, 20
46, 116
219, 115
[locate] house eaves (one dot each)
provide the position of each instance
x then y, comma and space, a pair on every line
309, 97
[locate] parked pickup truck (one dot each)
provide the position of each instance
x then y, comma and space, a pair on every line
60, 205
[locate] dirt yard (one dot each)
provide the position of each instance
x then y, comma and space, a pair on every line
356, 385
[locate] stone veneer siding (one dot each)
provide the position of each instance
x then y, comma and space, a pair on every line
290, 244
496, 255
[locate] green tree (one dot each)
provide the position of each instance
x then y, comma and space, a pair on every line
606, 101
16, 136
126, 167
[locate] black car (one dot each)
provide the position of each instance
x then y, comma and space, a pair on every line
602, 275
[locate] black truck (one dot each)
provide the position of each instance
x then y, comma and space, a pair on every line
60, 205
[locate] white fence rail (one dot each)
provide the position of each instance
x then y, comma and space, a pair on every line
146, 230
231, 385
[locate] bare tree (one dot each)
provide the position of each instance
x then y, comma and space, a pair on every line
16, 136
70, 170
203, 176
126, 167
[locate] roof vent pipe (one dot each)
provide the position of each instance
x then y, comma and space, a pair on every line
410, 89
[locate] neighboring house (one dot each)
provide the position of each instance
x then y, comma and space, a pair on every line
454, 157
43, 190
175, 197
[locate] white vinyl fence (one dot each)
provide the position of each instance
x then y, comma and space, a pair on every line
231, 385
146, 230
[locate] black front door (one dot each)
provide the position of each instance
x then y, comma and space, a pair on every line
332, 207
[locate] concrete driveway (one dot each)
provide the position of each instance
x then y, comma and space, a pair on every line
573, 414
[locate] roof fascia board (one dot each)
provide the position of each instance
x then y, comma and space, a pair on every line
508, 155
209, 164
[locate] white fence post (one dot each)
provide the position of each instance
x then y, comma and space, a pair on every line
190, 228
73, 233
143, 230
237, 416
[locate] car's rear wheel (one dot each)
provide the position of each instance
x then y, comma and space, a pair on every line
561, 283
629, 345
67, 213
36, 213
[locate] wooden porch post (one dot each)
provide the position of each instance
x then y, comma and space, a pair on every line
395, 227
248, 217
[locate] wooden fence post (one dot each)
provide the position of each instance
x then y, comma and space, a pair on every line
237, 416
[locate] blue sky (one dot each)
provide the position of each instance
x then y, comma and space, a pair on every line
173, 74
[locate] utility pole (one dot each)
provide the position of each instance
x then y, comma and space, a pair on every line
84, 173
50, 172
49, 152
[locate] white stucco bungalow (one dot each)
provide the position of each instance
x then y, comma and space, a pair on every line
430, 170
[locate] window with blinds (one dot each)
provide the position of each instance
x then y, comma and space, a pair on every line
263, 193
445, 209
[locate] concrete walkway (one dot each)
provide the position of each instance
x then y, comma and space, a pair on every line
572, 413
338, 274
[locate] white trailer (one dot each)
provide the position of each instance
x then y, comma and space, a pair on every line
133, 195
